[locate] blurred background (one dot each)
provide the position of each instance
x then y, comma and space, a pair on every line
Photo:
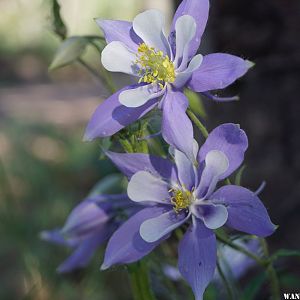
45, 168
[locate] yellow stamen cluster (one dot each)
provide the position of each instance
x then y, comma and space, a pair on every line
155, 67
181, 199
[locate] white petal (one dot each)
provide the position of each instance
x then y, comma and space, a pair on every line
216, 164
149, 26
218, 161
187, 173
185, 31
154, 229
213, 216
139, 96
116, 57
183, 77
144, 187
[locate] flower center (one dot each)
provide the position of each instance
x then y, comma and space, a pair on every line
155, 67
181, 199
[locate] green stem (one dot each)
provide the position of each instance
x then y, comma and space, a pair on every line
197, 122
270, 270
227, 181
225, 282
140, 282
226, 241
93, 72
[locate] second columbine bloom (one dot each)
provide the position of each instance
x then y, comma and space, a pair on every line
177, 193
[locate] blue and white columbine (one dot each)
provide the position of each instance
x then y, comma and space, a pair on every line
180, 193
164, 66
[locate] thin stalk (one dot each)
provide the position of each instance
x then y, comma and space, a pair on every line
135, 284
227, 181
197, 122
103, 77
140, 282
270, 270
93, 72
225, 282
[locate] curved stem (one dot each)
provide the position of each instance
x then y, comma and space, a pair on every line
103, 77
270, 270
140, 281
93, 72
240, 249
197, 122
225, 282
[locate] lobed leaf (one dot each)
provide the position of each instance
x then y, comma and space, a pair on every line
70, 50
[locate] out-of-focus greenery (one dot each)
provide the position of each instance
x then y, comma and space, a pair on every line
44, 173
26, 24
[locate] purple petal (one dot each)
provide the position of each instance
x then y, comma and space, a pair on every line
213, 216
217, 71
85, 219
131, 163
198, 9
56, 237
155, 228
84, 253
144, 187
177, 129
122, 31
183, 76
245, 210
126, 244
111, 116
229, 139
197, 255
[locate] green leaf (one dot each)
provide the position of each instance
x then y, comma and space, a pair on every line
110, 184
70, 50
59, 26
196, 103
285, 253
239, 175
289, 281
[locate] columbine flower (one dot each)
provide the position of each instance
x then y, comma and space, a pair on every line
88, 226
179, 193
163, 66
